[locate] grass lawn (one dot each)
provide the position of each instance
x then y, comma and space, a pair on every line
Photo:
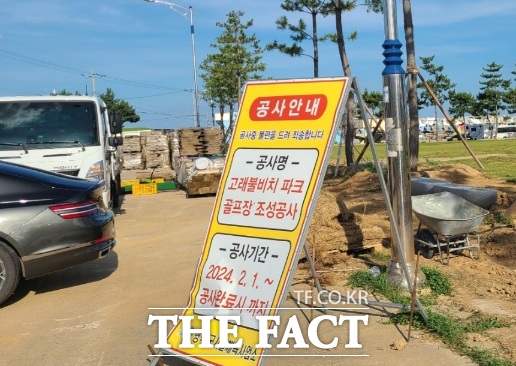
131, 129
501, 165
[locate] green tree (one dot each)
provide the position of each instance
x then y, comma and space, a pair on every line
375, 6
510, 100
374, 100
461, 103
119, 106
218, 90
493, 90
236, 60
299, 32
440, 84
66, 92
510, 97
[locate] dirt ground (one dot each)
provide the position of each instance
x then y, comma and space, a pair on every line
355, 210
96, 314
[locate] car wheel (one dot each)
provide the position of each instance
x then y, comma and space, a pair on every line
9, 272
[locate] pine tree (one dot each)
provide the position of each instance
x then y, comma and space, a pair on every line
236, 60
492, 92
299, 31
460, 104
510, 97
440, 84
374, 100
119, 106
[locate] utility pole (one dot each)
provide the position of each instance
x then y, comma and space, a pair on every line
239, 82
92, 76
212, 105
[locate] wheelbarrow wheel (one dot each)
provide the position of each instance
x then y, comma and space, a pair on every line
427, 237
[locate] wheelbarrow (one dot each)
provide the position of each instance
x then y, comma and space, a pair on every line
452, 225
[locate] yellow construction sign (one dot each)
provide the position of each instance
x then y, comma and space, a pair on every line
281, 142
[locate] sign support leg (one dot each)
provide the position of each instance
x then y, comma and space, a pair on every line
314, 272
155, 360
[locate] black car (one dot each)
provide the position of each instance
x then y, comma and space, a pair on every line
49, 222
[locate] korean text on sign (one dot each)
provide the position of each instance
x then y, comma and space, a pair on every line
240, 277
288, 107
267, 185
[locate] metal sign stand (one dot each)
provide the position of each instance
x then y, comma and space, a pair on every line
410, 280
314, 272
390, 211
155, 357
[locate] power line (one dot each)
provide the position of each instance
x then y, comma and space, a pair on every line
143, 85
50, 65
156, 95
34, 61
164, 114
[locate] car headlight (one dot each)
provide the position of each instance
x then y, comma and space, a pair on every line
96, 171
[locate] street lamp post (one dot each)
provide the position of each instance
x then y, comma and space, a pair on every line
176, 8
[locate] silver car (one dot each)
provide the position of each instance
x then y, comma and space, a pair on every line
49, 222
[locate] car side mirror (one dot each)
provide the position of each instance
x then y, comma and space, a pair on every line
115, 123
116, 141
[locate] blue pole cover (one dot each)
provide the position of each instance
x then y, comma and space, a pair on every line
393, 58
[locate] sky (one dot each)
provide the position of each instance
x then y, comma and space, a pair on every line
143, 50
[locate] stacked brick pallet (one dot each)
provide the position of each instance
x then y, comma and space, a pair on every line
132, 153
189, 151
155, 150
196, 169
147, 150
212, 140
199, 141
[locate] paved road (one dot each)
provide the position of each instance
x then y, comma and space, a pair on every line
96, 314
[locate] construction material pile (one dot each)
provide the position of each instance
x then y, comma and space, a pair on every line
196, 159
132, 153
146, 150
199, 141
199, 175
155, 149
174, 149
193, 153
